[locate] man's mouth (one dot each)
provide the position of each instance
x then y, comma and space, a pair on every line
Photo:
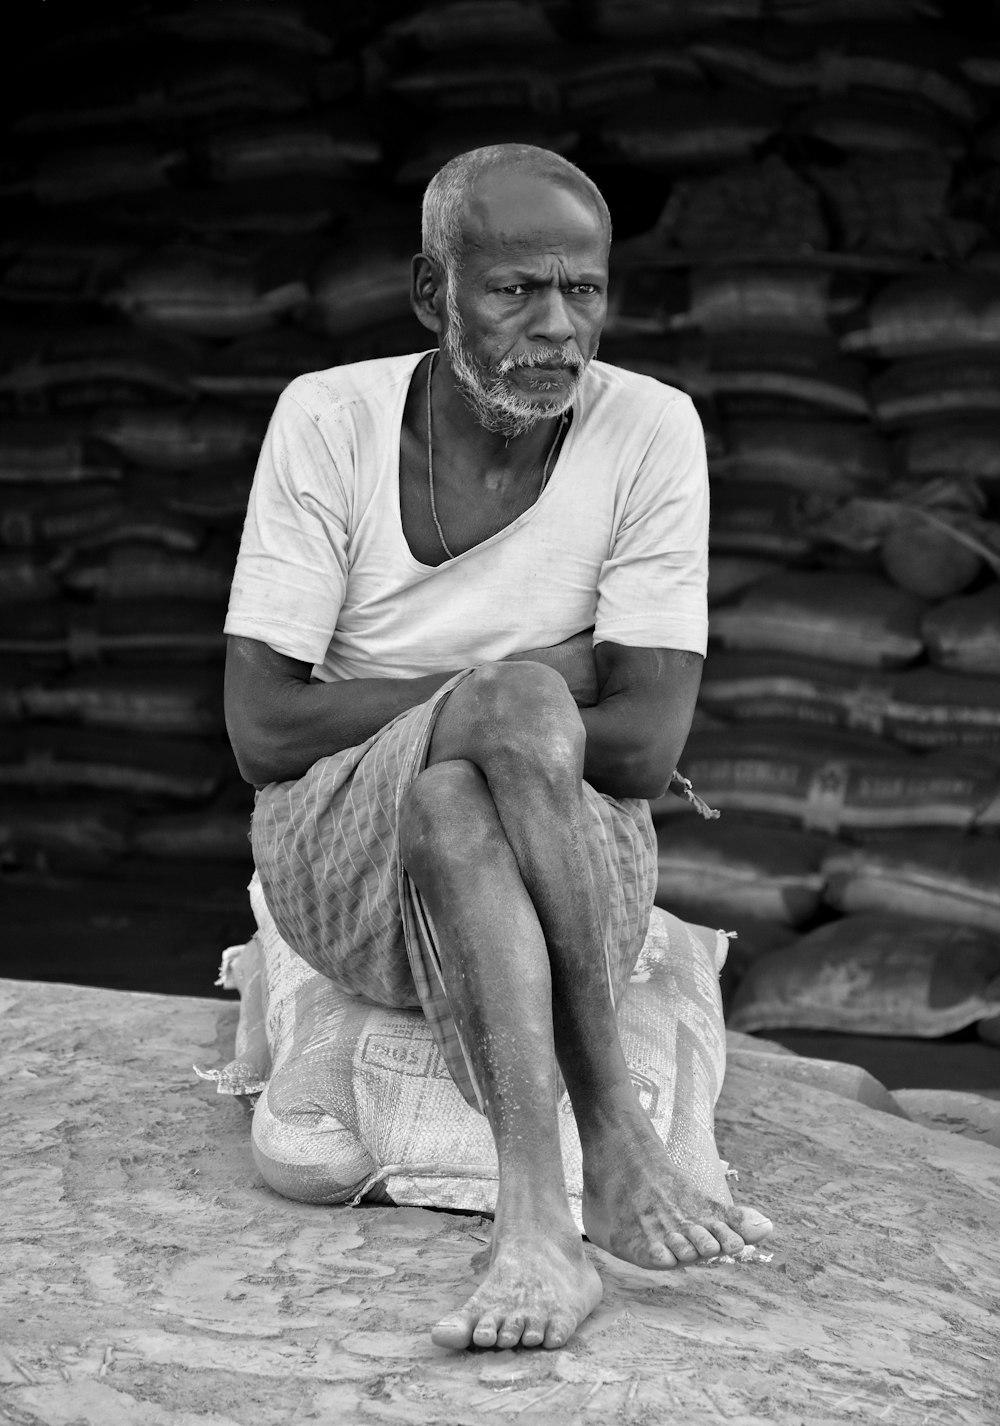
551, 361
547, 370
545, 376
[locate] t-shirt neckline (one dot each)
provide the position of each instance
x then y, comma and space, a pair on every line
498, 535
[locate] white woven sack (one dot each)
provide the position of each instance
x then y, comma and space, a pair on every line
355, 1099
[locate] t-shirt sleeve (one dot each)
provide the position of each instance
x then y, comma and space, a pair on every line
291, 571
653, 590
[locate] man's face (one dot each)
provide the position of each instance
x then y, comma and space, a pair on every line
525, 311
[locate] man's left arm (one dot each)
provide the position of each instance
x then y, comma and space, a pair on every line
637, 729
651, 625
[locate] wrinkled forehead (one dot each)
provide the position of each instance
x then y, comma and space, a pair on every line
516, 212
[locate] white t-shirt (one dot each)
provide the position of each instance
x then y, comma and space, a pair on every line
618, 538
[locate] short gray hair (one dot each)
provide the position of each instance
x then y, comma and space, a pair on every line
447, 194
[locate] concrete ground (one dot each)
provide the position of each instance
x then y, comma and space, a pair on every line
150, 1279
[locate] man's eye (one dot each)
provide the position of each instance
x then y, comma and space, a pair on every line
584, 289
515, 289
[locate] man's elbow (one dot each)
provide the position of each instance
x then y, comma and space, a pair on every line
649, 783
639, 772
251, 769
254, 754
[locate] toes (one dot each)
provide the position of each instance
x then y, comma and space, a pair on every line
454, 1331
706, 1244
511, 1332
492, 1329
729, 1242
683, 1250
752, 1225
659, 1255
559, 1330
487, 1329
533, 1334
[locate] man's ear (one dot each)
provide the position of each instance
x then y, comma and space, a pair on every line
427, 295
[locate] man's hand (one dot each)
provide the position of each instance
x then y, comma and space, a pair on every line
574, 659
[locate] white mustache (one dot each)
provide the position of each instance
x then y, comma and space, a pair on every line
548, 357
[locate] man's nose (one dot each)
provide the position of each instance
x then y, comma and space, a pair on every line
551, 318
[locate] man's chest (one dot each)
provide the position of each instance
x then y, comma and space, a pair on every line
547, 560
447, 511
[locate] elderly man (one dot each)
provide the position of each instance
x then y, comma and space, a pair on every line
466, 633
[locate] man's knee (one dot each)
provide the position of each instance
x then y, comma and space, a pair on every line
525, 713
443, 817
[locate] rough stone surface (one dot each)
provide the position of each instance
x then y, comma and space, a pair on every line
150, 1279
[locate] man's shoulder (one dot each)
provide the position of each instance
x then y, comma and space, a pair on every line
623, 395
374, 383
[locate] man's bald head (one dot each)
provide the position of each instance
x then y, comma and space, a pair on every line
450, 195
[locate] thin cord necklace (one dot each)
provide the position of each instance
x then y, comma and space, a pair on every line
430, 459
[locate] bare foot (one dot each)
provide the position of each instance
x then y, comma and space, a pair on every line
536, 1293
638, 1206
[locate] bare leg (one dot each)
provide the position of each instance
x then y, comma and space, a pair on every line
517, 724
540, 1284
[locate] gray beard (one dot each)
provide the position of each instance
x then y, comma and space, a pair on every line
495, 406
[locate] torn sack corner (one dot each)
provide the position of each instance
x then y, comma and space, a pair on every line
226, 978
680, 786
237, 1077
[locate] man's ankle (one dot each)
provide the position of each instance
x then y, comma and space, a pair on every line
533, 1210
606, 1114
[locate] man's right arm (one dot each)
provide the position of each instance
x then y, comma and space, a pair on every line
280, 722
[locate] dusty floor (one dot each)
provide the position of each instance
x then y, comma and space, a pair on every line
149, 1277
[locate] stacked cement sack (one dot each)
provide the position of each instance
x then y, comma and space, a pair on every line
201, 203
849, 724
852, 689
158, 216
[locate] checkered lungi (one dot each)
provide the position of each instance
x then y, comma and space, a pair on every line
326, 847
